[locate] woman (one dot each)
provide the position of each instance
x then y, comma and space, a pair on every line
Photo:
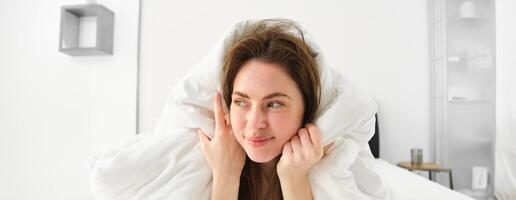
266, 147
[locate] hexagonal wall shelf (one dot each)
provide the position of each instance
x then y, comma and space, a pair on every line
74, 25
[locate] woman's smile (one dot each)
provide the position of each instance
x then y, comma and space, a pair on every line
259, 141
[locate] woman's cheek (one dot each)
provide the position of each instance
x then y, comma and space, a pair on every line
283, 126
237, 122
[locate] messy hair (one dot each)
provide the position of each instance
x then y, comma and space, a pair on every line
278, 41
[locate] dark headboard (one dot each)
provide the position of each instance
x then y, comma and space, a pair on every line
374, 143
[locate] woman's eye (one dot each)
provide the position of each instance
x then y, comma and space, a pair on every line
275, 105
239, 103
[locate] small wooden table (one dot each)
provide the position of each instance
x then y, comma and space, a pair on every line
430, 167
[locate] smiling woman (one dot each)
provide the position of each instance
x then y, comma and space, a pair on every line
278, 63
273, 121
271, 80
271, 85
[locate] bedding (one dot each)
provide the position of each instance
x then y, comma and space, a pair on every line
408, 185
168, 163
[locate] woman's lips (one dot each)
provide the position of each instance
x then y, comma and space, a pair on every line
258, 141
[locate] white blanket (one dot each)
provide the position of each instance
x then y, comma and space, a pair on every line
168, 163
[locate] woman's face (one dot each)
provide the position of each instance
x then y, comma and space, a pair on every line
266, 109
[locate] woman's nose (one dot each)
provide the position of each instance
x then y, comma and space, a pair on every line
256, 118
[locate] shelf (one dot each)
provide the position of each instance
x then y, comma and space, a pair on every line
467, 94
470, 101
463, 91
473, 139
74, 18
470, 18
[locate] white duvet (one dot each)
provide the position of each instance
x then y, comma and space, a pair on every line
168, 163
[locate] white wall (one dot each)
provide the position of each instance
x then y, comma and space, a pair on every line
56, 111
505, 150
382, 46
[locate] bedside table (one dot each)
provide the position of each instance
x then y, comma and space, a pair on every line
430, 167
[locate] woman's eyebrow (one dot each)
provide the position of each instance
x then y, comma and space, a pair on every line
240, 94
276, 94
270, 96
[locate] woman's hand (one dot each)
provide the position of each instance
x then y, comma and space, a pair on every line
223, 153
302, 152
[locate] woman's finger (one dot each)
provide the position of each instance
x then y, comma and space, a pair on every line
315, 134
287, 149
304, 137
226, 111
296, 144
202, 137
219, 113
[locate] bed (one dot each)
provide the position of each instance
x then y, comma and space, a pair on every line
410, 186
406, 184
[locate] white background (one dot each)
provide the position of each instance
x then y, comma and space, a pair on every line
56, 111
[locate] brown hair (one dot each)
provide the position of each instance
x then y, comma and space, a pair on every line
272, 41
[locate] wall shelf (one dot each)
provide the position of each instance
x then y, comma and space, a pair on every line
463, 85
470, 101
72, 19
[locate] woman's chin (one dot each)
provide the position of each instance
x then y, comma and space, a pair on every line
260, 158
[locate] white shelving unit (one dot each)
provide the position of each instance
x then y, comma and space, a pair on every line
463, 89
